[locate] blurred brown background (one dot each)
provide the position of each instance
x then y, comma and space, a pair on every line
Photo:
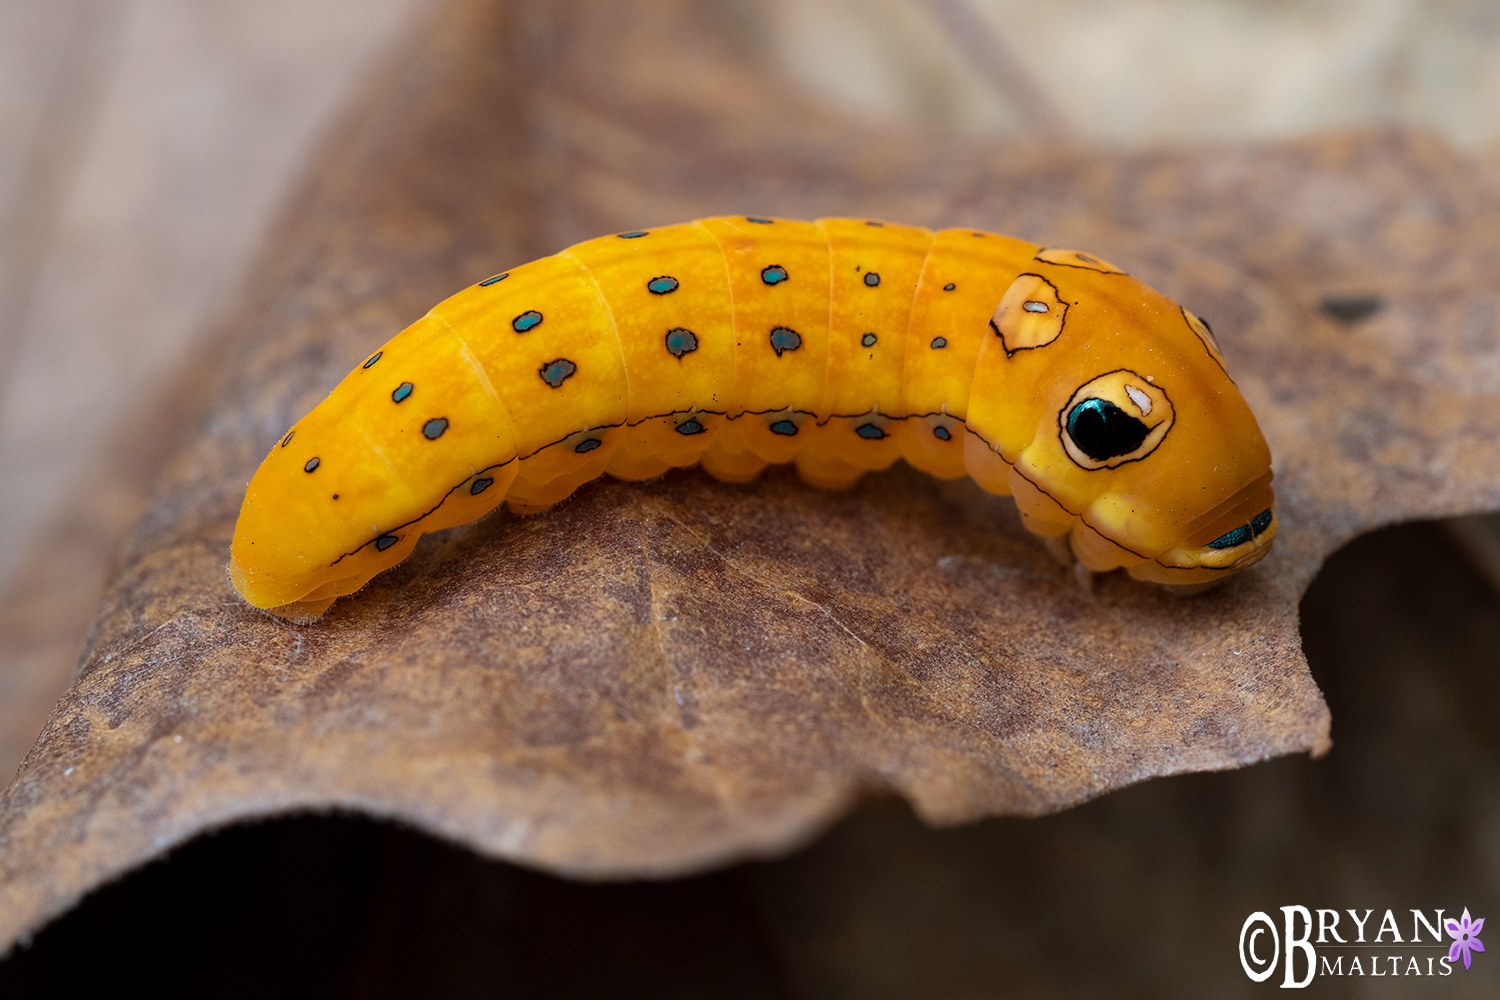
148, 145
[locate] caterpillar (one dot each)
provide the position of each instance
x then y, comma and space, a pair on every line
1050, 375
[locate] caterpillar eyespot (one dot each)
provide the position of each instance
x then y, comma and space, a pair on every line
1049, 375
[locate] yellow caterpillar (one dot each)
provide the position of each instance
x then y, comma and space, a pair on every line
840, 345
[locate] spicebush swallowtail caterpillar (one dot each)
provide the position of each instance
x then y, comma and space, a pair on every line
841, 345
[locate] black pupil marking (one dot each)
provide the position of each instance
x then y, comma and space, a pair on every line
938, 343
554, 373
786, 428
662, 286
941, 433
587, 445
773, 274
288, 439
690, 426
487, 282
312, 463
949, 287
759, 222
373, 358
528, 320
680, 341
1102, 430
635, 235
434, 428
480, 485
872, 279
870, 432
402, 391
785, 339
868, 340
385, 541
1349, 309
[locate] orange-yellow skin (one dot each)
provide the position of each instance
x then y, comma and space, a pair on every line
840, 344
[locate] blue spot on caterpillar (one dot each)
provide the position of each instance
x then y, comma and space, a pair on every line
555, 372
784, 339
681, 341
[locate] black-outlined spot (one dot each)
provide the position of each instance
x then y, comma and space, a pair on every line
938, 343
786, 428
872, 280
402, 391
385, 541
487, 282
680, 341
758, 221
690, 426
870, 432
312, 465
557, 371
949, 287
664, 285
480, 485
773, 274
434, 428
868, 340
587, 445
288, 439
635, 234
784, 338
527, 321
941, 433
373, 358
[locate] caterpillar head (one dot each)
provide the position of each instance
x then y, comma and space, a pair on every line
1122, 428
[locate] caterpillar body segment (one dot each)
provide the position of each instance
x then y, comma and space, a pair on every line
737, 342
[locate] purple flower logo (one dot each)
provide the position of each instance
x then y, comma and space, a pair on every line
1465, 935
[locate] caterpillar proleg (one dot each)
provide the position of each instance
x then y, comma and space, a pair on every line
841, 345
